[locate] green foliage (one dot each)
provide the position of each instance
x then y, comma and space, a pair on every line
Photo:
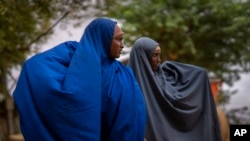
25, 24
21, 23
208, 33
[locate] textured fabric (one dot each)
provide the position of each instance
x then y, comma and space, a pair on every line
74, 91
178, 96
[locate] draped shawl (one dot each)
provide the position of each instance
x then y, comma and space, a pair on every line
180, 106
74, 91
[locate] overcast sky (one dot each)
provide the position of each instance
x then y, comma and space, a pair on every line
242, 98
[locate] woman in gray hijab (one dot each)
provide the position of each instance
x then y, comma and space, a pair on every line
180, 105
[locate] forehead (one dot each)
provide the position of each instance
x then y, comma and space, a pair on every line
157, 49
118, 31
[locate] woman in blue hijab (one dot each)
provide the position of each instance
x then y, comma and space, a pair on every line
77, 91
180, 105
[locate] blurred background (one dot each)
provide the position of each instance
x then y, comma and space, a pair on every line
208, 33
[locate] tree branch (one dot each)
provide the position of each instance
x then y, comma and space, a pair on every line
50, 29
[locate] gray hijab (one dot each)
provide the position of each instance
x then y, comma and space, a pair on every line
180, 106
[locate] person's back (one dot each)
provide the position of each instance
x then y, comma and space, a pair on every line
179, 101
75, 91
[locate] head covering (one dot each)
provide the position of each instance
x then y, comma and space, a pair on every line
74, 91
146, 46
178, 96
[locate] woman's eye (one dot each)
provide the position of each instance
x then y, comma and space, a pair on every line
120, 39
156, 55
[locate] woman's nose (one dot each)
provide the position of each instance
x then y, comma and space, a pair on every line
159, 59
122, 45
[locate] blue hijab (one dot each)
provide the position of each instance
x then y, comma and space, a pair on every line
74, 91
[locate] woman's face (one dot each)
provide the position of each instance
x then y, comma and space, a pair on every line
117, 43
155, 59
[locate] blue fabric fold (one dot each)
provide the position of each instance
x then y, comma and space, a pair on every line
74, 91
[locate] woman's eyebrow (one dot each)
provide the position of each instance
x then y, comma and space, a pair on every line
119, 35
